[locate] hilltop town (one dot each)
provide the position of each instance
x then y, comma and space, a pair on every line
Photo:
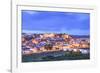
50, 42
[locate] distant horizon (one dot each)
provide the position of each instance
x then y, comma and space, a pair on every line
74, 23
55, 33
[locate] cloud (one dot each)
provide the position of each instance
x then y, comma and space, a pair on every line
77, 16
30, 12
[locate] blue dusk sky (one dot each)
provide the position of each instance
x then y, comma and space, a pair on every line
74, 23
